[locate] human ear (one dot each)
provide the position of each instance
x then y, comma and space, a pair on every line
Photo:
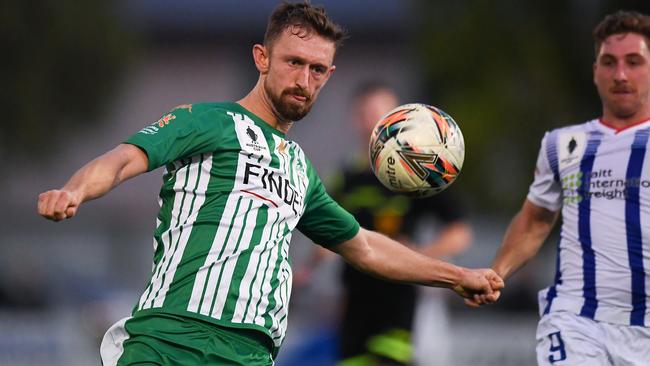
261, 58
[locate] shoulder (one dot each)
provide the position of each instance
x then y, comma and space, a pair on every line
570, 134
205, 114
578, 127
198, 110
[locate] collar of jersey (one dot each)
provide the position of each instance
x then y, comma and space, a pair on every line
604, 125
258, 121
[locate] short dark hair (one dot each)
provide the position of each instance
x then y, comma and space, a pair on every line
306, 16
622, 22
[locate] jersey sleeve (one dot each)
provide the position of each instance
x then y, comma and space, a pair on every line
324, 221
546, 191
177, 134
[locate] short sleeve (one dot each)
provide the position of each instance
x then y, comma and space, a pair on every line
177, 134
324, 221
546, 191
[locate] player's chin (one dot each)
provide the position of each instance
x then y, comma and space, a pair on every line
625, 107
295, 111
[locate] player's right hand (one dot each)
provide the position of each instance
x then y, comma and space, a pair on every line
479, 287
57, 205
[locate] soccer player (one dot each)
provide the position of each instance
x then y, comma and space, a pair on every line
598, 175
233, 191
378, 315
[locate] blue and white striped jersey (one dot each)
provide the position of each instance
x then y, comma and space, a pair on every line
600, 178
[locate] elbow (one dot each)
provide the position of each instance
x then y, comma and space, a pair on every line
362, 256
364, 260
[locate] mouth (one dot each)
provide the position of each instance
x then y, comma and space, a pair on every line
621, 91
297, 95
300, 98
623, 95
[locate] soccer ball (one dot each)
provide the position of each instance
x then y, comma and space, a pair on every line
416, 149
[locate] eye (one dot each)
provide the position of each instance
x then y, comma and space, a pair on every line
635, 61
294, 62
607, 61
321, 70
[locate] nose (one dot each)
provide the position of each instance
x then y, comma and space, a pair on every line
302, 79
620, 74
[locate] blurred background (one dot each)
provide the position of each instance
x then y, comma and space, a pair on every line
79, 77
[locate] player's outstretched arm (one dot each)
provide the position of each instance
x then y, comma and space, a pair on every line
523, 238
385, 258
93, 180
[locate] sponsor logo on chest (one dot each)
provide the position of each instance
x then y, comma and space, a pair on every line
608, 179
274, 182
281, 186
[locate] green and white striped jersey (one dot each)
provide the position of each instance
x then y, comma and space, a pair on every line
233, 191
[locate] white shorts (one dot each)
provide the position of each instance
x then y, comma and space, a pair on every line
113, 343
566, 339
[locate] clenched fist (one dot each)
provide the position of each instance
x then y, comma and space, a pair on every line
57, 205
479, 286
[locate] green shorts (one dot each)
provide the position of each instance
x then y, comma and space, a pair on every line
165, 339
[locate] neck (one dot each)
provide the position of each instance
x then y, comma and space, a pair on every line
642, 114
258, 102
619, 123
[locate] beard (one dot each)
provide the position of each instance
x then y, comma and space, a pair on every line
287, 108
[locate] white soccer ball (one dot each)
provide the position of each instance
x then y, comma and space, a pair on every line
417, 149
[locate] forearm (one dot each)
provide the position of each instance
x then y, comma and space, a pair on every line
92, 181
102, 174
523, 238
385, 258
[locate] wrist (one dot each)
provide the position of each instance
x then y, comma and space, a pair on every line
452, 276
75, 194
500, 270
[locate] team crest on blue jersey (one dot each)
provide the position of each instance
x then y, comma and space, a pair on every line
571, 147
